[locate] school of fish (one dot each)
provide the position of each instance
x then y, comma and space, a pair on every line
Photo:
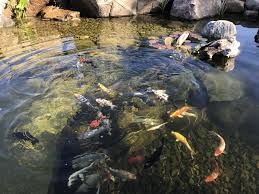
102, 124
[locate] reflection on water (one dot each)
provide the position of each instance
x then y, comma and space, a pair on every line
40, 73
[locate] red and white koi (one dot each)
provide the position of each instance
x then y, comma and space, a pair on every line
97, 122
220, 149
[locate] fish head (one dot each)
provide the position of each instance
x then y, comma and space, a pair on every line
209, 179
218, 152
173, 133
77, 95
132, 176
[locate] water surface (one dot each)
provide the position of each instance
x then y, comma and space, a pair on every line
39, 76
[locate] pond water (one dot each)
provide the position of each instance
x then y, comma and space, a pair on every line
40, 72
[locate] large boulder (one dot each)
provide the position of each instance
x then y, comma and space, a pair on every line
235, 6
33, 7
195, 9
124, 8
115, 8
220, 29
252, 4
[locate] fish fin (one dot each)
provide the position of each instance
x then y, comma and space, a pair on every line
177, 140
180, 116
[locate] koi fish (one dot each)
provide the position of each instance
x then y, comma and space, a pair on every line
181, 138
74, 177
161, 94
26, 136
123, 174
136, 159
220, 149
180, 112
86, 159
155, 156
106, 90
156, 127
103, 103
97, 122
95, 132
83, 100
214, 174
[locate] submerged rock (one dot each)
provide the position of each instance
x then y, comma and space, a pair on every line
222, 87
195, 9
220, 29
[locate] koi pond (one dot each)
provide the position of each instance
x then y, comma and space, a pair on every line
88, 107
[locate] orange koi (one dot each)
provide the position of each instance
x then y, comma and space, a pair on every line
214, 174
220, 149
180, 112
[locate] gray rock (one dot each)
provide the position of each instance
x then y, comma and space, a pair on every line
252, 4
195, 9
93, 8
223, 47
220, 29
251, 14
124, 8
148, 6
235, 6
114, 8
6, 22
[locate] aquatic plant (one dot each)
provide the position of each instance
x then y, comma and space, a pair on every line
222, 7
20, 9
163, 4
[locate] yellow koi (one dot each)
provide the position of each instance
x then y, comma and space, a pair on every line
181, 138
106, 90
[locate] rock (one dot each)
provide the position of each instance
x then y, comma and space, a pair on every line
54, 13
257, 37
251, 14
115, 8
225, 47
182, 39
220, 29
222, 87
6, 22
147, 6
124, 8
235, 6
33, 7
93, 8
195, 9
252, 4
